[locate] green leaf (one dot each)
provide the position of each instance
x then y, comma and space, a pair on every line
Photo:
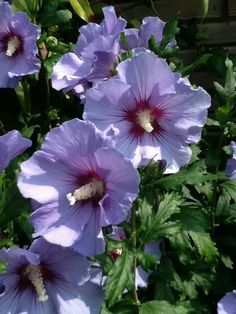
169, 32
226, 260
82, 9
194, 224
230, 188
194, 174
120, 277
147, 261
31, 7
13, 206
159, 225
162, 307
205, 6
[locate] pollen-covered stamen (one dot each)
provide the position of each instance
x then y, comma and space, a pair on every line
12, 46
33, 272
144, 119
87, 191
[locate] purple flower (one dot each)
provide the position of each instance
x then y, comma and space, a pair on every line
151, 26
12, 144
47, 279
231, 163
227, 305
17, 46
81, 185
152, 112
97, 50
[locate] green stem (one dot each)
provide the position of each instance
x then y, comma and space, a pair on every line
134, 240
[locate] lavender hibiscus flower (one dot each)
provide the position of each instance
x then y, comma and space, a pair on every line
97, 50
151, 112
81, 185
12, 144
231, 164
17, 46
151, 26
227, 305
47, 279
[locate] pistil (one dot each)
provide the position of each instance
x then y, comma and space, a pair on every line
35, 276
92, 189
12, 46
144, 119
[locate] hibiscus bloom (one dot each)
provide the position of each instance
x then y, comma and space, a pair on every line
151, 26
231, 163
227, 305
12, 144
17, 46
96, 52
81, 185
47, 279
151, 112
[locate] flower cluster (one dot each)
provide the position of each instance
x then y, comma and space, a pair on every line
96, 53
85, 178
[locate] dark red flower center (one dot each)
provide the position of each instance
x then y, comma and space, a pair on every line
144, 119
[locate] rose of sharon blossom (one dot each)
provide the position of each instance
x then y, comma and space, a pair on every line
47, 279
231, 163
12, 144
81, 185
17, 46
97, 50
227, 305
151, 112
151, 26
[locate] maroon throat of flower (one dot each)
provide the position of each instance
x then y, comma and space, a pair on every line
94, 188
35, 276
13, 45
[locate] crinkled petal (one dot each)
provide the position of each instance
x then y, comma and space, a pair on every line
92, 242
88, 33
69, 228
122, 184
132, 37
15, 142
22, 66
86, 299
227, 305
69, 71
41, 180
151, 26
16, 257
140, 72
6, 65
111, 25
231, 163
73, 141
5, 17
63, 261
